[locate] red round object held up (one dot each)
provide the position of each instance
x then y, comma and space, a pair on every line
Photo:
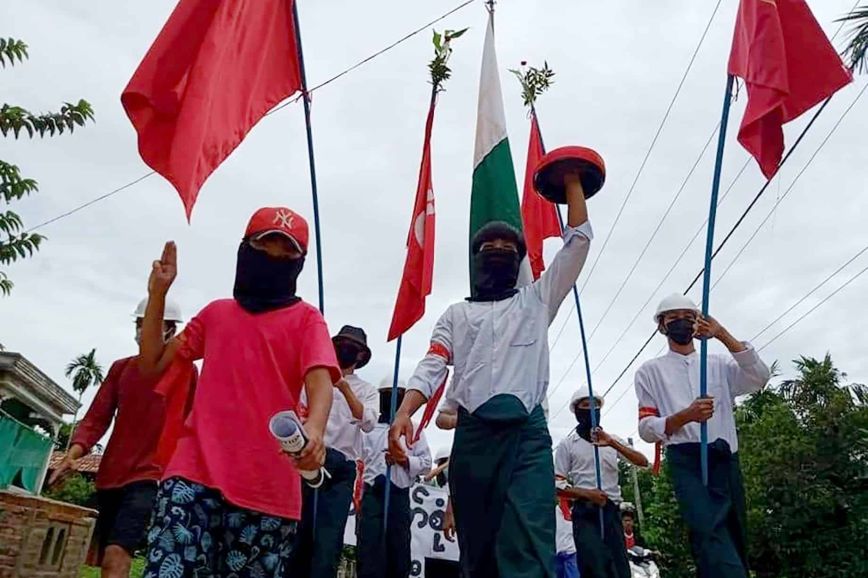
548, 178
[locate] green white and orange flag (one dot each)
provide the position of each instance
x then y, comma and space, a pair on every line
494, 196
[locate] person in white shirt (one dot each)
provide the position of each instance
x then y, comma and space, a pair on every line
670, 414
325, 510
389, 556
566, 564
497, 342
602, 556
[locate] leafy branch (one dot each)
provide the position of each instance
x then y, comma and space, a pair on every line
440, 72
14, 118
534, 81
10, 49
857, 50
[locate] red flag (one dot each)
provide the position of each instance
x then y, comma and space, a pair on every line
430, 408
419, 266
788, 66
215, 69
538, 216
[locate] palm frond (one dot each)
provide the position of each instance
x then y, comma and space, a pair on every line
856, 52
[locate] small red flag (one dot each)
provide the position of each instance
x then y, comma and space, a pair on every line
539, 219
419, 266
214, 70
788, 66
430, 408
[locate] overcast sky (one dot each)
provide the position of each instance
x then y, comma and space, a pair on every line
617, 63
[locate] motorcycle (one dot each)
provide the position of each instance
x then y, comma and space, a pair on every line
642, 563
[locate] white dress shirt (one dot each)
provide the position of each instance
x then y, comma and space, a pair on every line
374, 454
343, 431
670, 383
574, 460
501, 347
566, 544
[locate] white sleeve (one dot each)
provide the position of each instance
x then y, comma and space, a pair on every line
746, 372
433, 368
560, 276
371, 413
562, 460
652, 426
420, 458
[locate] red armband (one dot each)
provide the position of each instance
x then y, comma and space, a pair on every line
658, 447
440, 350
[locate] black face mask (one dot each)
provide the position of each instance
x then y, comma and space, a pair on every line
583, 417
386, 404
495, 273
680, 331
264, 283
348, 354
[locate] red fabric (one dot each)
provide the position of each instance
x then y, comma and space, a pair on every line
254, 366
564, 505
419, 266
658, 447
214, 70
539, 219
430, 408
441, 350
629, 540
359, 487
279, 220
788, 66
177, 387
139, 414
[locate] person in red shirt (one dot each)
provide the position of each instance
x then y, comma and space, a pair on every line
229, 503
129, 470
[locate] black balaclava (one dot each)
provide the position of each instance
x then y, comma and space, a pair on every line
680, 331
348, 354
386, 403
583, 417
265, 283
495, 271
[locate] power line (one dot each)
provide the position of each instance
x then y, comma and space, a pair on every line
651, 147
272, 111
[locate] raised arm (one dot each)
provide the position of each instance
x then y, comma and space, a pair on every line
745, 372
155, 355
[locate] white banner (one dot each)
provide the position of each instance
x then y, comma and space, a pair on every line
428, 505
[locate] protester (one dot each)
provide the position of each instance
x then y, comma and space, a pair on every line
388, 556
632, 537
354, 410
566, 564
497, 341
229, 503
131, 466
670, 413
601, 556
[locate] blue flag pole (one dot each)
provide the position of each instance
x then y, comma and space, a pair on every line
706, 281
392, 410
593, 400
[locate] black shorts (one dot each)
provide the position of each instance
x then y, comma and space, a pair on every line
125, 515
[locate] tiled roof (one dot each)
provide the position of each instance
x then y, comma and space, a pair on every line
89, 464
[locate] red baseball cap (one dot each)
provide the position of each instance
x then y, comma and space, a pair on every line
279, 220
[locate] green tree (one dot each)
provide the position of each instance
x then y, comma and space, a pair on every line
15, 242
85, 371
76, 490
857, 49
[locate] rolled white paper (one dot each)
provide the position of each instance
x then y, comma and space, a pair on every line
287, 428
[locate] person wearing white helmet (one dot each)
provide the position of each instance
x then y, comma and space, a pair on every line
393, 560
133, 461
670, 414
576, 479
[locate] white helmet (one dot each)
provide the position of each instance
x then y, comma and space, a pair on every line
172, 312
675, 302
442, 453
583, 393
386, 384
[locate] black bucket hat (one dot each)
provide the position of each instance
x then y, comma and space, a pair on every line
357, 336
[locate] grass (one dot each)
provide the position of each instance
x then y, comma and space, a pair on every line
93, 572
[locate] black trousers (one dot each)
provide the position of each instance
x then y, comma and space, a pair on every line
600, 556
379, 557
321, 540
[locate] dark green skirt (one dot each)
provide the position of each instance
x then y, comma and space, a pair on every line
715, 515
502, 488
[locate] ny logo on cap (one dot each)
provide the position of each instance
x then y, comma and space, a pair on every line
284, 219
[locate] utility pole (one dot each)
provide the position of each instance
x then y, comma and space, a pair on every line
635, 471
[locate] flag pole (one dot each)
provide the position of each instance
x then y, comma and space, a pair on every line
310, 156
393, 408
593, 400
706, 281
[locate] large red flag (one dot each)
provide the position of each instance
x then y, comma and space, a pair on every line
215, 69
788, 65
538, 216
419, 266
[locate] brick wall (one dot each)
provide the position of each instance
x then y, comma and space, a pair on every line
41, 538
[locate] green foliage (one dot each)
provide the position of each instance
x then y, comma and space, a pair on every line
15, 242
534, 81
136, 571
76, 490
857, 49
85, 371
803, 447
440, 72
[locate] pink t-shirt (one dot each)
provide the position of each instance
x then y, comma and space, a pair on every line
254, 366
